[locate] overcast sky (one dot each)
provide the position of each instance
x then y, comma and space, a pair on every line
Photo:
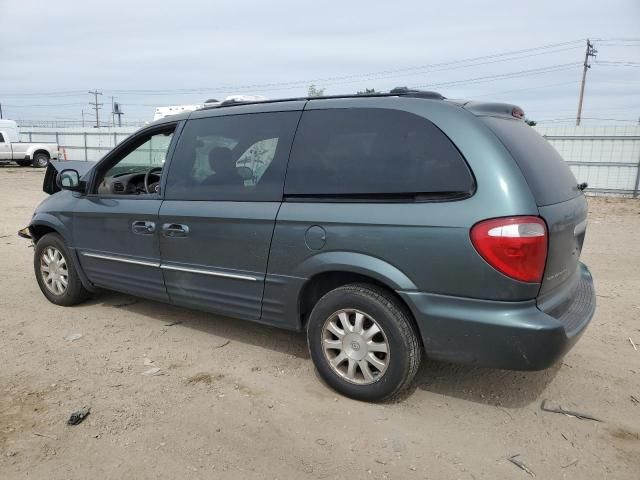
148, 54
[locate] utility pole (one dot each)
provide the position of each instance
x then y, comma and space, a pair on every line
96, 106
0, 111
590, 52
113, 114
83, 118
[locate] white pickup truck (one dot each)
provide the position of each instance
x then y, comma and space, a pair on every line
24, 153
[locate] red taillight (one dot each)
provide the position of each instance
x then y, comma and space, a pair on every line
515, 246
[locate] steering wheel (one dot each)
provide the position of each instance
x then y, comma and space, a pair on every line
146, 178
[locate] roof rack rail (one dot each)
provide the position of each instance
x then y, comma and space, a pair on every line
396, 92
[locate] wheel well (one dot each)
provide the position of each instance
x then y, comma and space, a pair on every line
39, 231
41, 151
318, 285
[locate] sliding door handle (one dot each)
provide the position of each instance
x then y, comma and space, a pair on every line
175, 230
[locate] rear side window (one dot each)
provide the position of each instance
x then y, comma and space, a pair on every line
235, 157
548, 176
370, 152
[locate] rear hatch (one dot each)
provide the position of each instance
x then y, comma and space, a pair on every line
560, 202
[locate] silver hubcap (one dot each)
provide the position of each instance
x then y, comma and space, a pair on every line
355, 346
53, 268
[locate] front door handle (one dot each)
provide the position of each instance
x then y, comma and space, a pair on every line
142, 227
175, 230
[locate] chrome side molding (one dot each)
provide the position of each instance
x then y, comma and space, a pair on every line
121, 259
214, 273
209, 272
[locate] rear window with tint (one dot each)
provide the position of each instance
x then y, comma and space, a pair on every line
549, 177
369, 152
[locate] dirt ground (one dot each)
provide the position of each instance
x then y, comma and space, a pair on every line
239, 400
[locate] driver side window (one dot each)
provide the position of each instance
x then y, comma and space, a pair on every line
138, 169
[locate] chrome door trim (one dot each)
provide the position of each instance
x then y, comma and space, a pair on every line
121, 259
209, 272
214, 273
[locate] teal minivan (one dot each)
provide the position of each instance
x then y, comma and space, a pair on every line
388, 227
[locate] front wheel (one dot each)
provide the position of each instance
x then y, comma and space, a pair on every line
40, 160
55, 272
363, 342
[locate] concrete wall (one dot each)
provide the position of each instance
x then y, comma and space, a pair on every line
79, 143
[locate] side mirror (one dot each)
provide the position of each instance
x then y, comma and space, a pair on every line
69, 179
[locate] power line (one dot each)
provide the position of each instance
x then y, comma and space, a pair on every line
435, 66
69, 93
617, 64
525, 89
45, 105
616, 40
500, 76
353, 78
339, 80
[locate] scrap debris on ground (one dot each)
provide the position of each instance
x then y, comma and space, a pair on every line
78, 416
513, 459
569, 413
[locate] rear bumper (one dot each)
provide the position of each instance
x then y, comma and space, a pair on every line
509, 335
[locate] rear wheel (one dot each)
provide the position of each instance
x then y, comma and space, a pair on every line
363, 342
23, 163
40, 160
55, 272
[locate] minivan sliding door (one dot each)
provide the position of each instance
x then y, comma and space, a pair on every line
222, 196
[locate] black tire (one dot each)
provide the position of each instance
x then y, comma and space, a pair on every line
74, 293
398, 327
23, 163
40, 160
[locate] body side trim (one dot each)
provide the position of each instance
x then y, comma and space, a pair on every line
121, 259
214, 273
209, 272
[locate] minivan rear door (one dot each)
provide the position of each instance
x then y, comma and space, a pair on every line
222, 196
560, 202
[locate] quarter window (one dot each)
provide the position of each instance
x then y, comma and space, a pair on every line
235, 157
373, 152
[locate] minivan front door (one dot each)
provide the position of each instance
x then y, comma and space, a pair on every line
115, 227
222, 197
